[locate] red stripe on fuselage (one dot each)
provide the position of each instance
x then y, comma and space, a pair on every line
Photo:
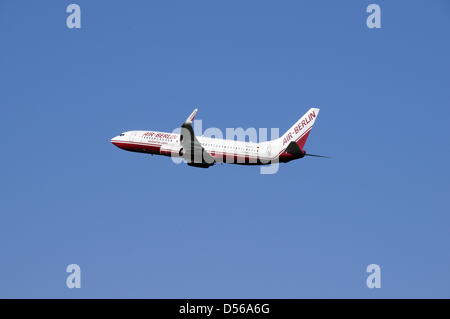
139, 147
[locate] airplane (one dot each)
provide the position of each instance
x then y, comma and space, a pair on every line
201, 151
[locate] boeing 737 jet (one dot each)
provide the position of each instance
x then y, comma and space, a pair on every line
201, 151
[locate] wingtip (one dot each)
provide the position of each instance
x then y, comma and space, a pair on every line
192, 116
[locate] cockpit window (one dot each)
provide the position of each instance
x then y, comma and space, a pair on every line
123, 134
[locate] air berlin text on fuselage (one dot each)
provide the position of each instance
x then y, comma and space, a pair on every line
298, 128
161, 135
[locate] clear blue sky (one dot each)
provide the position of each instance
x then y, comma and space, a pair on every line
141, 226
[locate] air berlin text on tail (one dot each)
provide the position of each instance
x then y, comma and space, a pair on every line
299, 127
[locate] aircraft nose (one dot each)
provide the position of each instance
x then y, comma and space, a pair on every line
114, 140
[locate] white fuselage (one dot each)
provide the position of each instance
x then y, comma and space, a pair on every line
162, 143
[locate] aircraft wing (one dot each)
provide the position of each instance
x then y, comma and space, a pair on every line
191, 149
